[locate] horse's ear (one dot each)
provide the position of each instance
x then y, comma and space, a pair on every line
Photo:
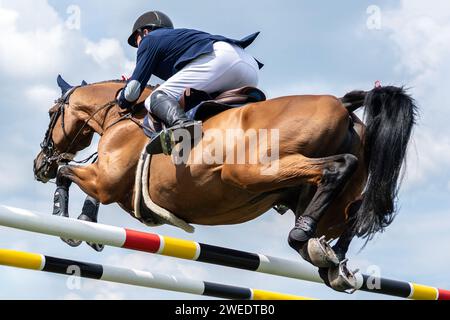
84, 83
63, 85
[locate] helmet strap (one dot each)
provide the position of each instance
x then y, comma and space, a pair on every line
141, 33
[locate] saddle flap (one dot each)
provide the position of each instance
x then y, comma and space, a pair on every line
192, 97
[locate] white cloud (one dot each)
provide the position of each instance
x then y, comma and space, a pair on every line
32, 14
41, 46
108, 54
419, 33
41, 96
428, 157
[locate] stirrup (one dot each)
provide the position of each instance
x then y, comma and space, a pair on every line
165, 141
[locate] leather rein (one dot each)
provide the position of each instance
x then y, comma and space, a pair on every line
48, 145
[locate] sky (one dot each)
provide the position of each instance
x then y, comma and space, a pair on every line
307, 47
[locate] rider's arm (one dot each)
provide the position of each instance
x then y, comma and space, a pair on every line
147, 59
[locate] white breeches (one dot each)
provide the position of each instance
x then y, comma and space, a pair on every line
227, 67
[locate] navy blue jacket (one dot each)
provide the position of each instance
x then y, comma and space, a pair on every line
164, 52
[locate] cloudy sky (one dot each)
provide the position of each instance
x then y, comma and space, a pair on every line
308, 47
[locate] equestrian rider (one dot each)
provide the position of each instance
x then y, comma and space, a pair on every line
184, 58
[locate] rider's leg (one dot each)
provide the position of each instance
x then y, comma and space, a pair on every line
228, 67
167, 109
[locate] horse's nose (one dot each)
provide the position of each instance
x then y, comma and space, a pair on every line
38, 169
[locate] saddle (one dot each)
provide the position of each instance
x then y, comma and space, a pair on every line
193, 98
201, 106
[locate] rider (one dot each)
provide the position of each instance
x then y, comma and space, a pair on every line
184, 58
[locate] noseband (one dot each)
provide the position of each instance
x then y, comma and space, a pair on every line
48, 145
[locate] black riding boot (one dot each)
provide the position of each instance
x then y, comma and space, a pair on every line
169, 111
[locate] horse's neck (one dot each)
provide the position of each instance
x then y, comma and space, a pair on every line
96, 96
95, 104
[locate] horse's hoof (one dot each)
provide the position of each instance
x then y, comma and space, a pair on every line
321, 254
85, 217
96, 247
323, 273
72, 243
342, 279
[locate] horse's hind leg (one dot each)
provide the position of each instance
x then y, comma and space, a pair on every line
329, 175
287, 172
335, 172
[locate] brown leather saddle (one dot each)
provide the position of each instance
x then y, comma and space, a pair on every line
193, 98
201, 106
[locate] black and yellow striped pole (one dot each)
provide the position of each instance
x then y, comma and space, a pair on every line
39, 262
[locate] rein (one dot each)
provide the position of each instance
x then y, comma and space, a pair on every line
48, 145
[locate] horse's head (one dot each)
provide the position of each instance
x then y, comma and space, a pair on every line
67, 134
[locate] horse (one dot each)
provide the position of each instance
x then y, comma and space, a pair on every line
339, 176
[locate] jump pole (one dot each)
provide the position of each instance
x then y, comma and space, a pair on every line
39, 262
190, 250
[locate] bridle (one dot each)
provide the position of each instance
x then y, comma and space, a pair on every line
50, 152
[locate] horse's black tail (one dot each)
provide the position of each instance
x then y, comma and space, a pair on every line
390, 117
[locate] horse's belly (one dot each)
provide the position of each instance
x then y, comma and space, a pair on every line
202, 198
222, 212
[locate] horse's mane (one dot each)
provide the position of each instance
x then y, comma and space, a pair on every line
118, 81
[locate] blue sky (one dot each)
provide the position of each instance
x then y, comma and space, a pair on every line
307, 47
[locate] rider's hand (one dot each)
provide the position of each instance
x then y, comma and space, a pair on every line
122, 102
125, 105
119, 94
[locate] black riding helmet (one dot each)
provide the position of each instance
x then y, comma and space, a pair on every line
151, 19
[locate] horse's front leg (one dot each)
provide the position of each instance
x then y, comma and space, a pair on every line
82, 176
61, 202
61, 197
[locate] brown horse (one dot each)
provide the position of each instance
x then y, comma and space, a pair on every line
338, 176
